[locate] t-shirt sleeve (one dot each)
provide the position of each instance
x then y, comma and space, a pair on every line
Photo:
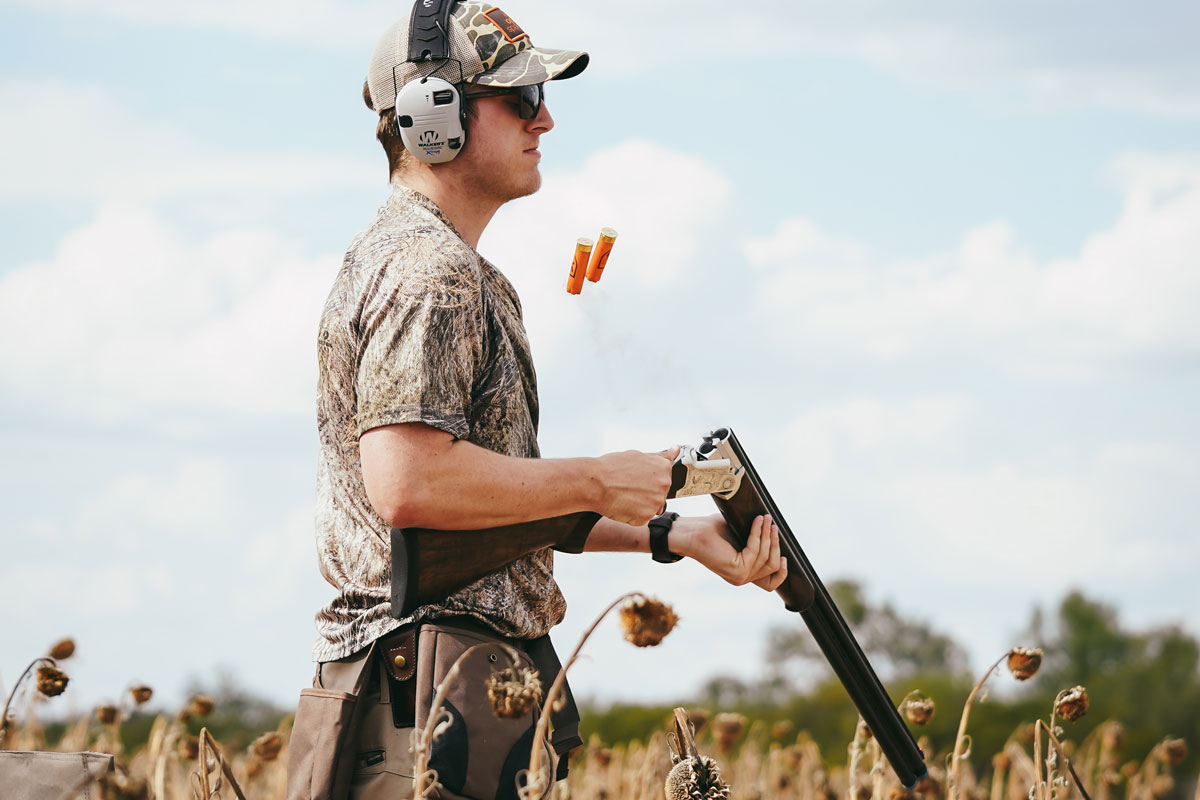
420, 353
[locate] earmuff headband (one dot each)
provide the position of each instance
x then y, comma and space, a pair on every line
429, 31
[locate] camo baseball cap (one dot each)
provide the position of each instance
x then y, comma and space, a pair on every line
492, 49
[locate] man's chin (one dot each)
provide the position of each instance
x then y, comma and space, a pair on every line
529, 187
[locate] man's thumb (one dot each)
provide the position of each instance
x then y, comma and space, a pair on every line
671, 453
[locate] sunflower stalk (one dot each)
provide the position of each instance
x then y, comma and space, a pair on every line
209, 751
16, 687
537, 778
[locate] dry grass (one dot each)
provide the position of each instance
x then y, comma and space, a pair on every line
1046, 765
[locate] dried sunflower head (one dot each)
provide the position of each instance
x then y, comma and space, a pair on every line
514, 692
918, 710
646, 621
929, 786
1023, 662
793, 756
189, 747
268, 746
696, 779
726, 728
51, 681
781, 729
1172, 751
202, 705
1071, 704
107, 714
141, 694
64, 648
120, 784
699, 718
602, 756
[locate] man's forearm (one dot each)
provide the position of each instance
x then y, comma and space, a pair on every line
452, 484
610, 536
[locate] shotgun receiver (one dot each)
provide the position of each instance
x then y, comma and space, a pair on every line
429, 565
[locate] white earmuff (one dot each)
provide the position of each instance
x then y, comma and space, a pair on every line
429, 115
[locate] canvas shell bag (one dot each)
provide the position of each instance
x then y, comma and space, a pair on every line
478, 755
26, 775
322, 749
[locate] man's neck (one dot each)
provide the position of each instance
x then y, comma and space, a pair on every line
468, 212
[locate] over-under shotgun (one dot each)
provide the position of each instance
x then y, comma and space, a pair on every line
429, 565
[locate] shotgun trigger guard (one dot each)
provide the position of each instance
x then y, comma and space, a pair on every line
709, 476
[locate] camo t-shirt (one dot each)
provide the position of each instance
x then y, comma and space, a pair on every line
418, 328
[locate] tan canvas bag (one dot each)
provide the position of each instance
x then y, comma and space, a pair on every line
322, 750
479, 755
26, 775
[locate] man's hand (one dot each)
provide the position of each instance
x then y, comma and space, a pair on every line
708, 540
634, 485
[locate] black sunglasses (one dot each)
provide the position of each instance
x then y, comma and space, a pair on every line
529, 98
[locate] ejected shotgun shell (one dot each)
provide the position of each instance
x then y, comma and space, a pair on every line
583, 249
600, 254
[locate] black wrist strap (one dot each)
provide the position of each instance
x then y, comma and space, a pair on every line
660, 526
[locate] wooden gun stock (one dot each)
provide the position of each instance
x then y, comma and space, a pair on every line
430, 565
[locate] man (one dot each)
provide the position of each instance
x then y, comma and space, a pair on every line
427, 400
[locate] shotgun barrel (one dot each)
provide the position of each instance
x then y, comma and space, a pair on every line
818, 611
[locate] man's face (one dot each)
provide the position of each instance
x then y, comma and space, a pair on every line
501, 158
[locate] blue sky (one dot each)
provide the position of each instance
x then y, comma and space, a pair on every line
936, 262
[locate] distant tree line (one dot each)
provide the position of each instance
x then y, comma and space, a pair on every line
1147, 680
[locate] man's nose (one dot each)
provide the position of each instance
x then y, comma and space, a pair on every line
543, 122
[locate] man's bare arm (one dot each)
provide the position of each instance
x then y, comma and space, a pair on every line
418, 476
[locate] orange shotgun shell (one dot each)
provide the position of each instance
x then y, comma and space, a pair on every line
600, 254
583, 248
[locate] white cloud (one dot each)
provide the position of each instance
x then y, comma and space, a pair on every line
533, 240
1036, 523
320, 22
134, 512
1117, 55
1130, 291
81, 141
130, 316
276, 562
814, 439
51, 591
127, 317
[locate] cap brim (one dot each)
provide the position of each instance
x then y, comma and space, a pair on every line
534, 65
